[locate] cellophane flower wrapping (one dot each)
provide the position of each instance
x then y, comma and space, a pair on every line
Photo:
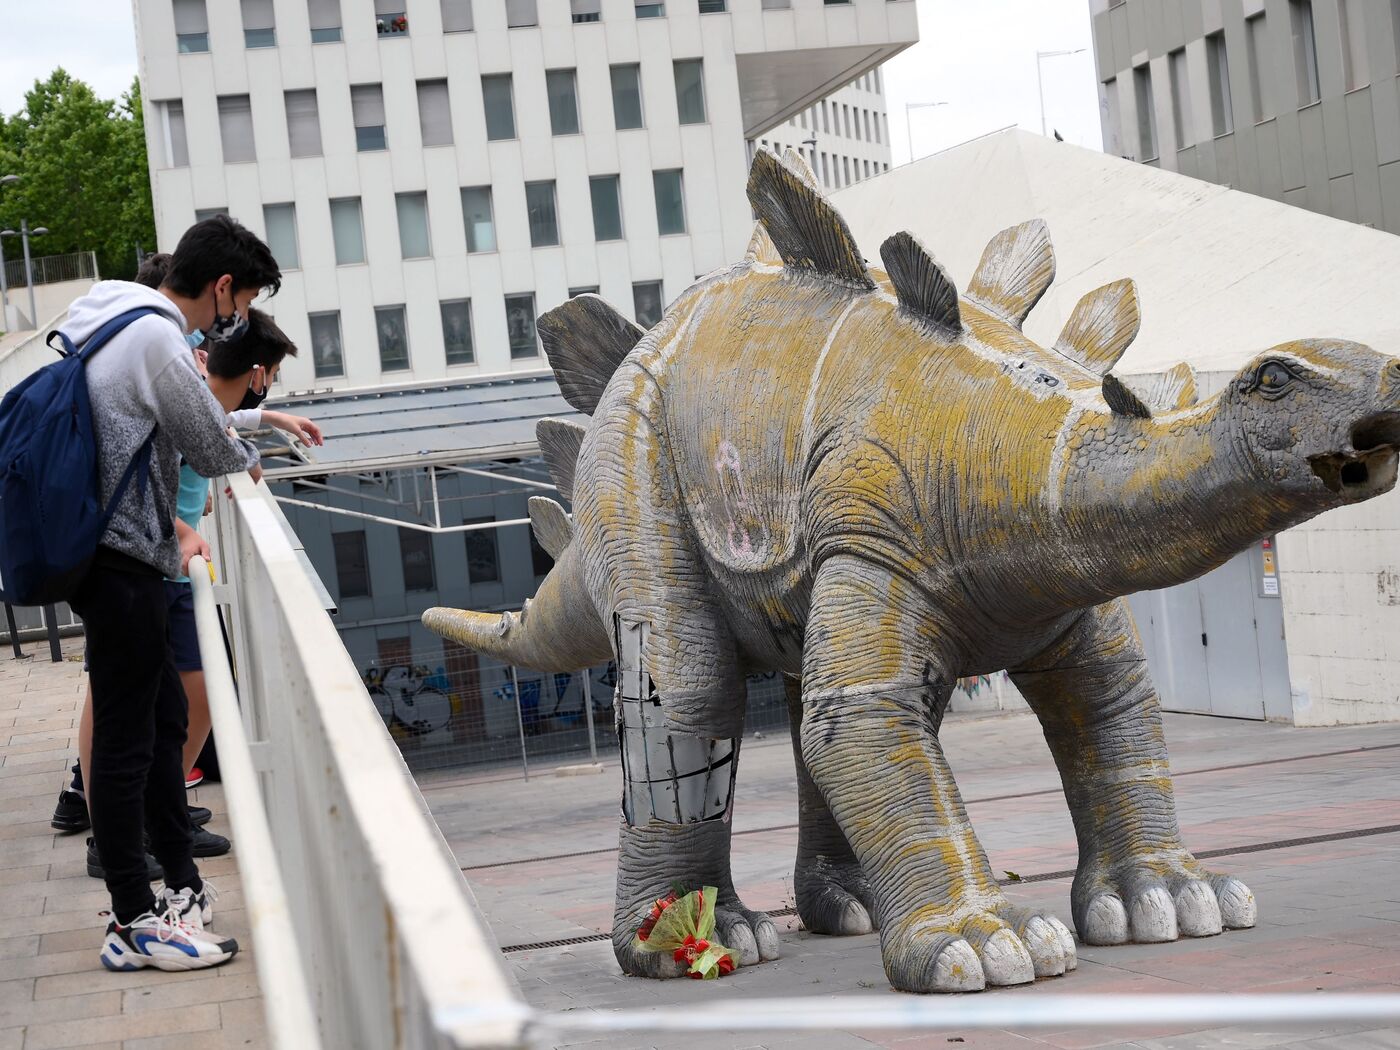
685, 927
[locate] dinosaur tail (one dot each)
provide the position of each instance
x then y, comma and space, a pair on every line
558, 630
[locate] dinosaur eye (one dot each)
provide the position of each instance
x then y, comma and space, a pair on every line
1274, 377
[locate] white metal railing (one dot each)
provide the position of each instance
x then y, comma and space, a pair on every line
52, 269
359, 910
384, 927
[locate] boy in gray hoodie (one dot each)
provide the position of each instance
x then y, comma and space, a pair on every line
145, 380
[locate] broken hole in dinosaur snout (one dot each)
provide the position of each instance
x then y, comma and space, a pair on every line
1368, 467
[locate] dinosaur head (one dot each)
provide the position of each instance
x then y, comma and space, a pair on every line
1320, 421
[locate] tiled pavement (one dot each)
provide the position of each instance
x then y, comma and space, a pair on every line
53, 992
1329, 912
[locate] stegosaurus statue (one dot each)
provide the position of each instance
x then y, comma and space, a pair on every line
874, 485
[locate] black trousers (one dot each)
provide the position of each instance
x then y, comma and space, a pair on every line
139, 719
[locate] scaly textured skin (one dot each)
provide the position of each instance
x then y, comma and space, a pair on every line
819, 472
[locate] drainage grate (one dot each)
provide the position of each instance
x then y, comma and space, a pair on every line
1044, 876
969, 802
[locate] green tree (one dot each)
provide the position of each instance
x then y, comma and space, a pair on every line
82, 161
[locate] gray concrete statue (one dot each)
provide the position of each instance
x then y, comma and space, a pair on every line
871, 484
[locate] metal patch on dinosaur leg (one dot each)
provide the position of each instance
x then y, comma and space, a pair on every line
667, 777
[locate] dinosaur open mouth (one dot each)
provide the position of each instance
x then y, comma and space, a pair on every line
1368, 467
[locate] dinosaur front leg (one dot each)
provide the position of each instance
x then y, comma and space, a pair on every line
877, 668
1102, 719
833, 894
678, 794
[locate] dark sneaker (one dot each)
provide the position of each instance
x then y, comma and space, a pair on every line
160, 939
199, 816
94, 865
71, 813
207, 844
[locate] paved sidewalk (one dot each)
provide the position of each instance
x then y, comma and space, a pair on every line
53, 991
539, 856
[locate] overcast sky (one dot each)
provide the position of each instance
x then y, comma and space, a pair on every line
979, 56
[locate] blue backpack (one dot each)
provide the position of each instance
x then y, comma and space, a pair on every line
51, 516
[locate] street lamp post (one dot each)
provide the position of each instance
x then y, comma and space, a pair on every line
909, 128
24, 233
5, 180
1041, 56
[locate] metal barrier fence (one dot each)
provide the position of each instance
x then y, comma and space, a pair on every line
385, 928
488, 713
52, 269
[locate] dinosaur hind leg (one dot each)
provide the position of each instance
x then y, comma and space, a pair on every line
678, 791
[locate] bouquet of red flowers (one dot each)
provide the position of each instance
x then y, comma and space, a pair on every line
685, 926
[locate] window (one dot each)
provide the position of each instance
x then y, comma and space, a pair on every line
351, 564
646, 303
520, 326
412, 211
457, 16
563, 101
539, 206
826, 173
457, 331
391, 329
867, 126
476, 215
1113, 127
200, 214
521, 13
1222, 115
500, 108
191, 26
826, 118
325, 20
177, 149
1146, 119
281, 223
434, 113
627, 96
586, 10
1355, 66
483, 563
712, 7
607, 207
649, 10
586, 289
1181, 98
326, 351
367, 109
670, 201
540, 561
1304, 51
1256, 46
236, 129
390, 18
347, 231
303, 123
258, 27
777, 5
690, 90
846, 170
846, 115
416, 556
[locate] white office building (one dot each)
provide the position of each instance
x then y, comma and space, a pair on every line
433, 174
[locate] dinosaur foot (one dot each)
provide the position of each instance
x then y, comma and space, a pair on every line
937, 950
834, 897
750, 935
1151, 901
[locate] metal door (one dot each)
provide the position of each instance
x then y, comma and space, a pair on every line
1230, 639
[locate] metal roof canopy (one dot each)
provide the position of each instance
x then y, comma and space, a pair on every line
453, 422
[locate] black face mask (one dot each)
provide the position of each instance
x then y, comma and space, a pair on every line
252, 399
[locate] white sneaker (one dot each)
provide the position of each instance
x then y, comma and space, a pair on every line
159, 939
193, 909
